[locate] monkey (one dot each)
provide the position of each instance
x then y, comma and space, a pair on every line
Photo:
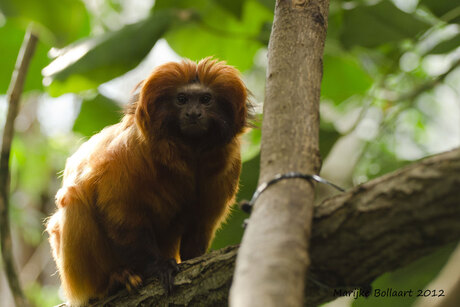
149, 192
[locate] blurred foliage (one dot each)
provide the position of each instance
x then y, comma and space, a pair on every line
42, 295
11, 36
86, 64
414, 276
233, 230
447, 45
222, 34
379, 24
358, 81
60, 22
388, 78
445, 10
95, 114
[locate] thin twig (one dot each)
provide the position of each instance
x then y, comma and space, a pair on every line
407, 99
422, 88
14, 94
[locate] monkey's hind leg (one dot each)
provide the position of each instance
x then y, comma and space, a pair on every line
82, 254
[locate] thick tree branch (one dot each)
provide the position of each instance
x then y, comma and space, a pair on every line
14, 95
290, 143
374, 228
388, 222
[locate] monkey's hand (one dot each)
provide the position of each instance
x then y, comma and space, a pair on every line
127, 279
165, 271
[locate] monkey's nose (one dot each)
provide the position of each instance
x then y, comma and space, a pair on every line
193, 115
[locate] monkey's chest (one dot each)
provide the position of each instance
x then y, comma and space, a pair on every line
169, 195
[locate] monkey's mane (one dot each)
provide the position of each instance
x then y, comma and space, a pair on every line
217, 75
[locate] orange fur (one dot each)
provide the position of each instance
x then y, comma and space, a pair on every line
131, 195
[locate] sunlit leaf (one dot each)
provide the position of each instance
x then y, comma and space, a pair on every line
11, 37
67, 20
105, 57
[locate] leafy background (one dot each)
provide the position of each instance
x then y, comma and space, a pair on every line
390, 95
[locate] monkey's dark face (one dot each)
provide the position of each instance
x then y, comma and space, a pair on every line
195, 105
197, 116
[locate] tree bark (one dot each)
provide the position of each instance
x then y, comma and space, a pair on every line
371, 229
275, 245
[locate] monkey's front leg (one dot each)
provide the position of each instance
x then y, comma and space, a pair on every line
139, 256
164, 266
195, 241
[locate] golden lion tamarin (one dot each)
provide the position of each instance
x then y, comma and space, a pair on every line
152, 189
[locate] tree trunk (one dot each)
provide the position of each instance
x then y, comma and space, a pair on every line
273, 258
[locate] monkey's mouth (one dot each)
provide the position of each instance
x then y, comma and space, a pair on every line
194, 128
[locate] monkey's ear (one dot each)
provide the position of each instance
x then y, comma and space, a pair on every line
142, 115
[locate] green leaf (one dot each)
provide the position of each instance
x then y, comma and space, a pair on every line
218, 33
371, 26
235, 7
65, 20
11, 37
447, 45
444, 9
95, 114
343, 77
96, 60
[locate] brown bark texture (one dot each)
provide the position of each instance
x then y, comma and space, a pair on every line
357, 236
275, 244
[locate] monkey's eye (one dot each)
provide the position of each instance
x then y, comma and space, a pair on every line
181, 99
205, 99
